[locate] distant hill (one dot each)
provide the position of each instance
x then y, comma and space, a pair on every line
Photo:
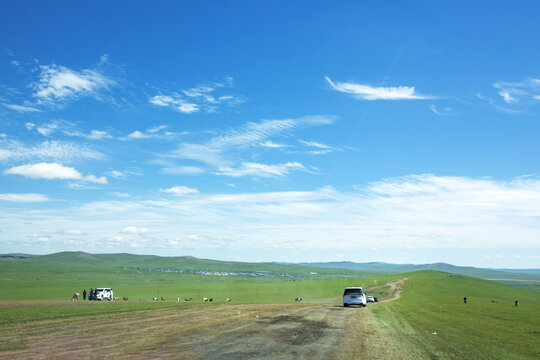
318, 270
104, 262
381, 267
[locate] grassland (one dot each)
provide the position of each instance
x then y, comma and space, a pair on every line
428, 321
431, 320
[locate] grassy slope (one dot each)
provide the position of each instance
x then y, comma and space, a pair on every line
488, 327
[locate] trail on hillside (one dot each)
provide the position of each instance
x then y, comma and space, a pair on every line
395, 289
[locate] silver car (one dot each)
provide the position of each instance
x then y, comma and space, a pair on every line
354, 296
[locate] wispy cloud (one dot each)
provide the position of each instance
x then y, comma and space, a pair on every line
436, 110
199, 98
183, 170
47, 150
21, 108
175, 103
249, 135
262, 170
58, 84
321, 149
30, 197
154, 132
522, 92
497, 106
367, 92
52, 171
135, 230
180, 190
272, 145
66, 128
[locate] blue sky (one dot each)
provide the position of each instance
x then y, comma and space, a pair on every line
272, 131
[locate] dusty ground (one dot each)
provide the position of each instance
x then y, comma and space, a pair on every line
277, 331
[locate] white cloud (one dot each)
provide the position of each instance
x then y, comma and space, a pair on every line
120, 194
438, 111
249, 135
199, 98
177, 104
322, 148
24, 197
506, 96
21, 109
135, 230
47, 150
183, 170
315, 144
52, 171
262, 170
117, 174
155, 132
66, 128
273, 145
180, 190
138, 135
522, 92
98, 135
58, 83
414, 211
367, 92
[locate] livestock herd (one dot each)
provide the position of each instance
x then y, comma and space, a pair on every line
204, 299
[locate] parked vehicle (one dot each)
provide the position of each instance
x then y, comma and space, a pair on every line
370, 299
354, 296
101, 294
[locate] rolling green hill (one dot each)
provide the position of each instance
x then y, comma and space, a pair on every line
529, 278
101, 262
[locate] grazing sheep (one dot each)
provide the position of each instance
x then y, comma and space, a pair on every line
177, 299
298, 299
227, 299
162, 298
155, 298
186, 299
75, 296
116, 299
124, 298
204, 299
210, 299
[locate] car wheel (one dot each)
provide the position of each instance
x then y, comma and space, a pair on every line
345, 305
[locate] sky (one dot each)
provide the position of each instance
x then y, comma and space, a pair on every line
272, 130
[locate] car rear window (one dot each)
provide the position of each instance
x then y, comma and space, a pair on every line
353, 292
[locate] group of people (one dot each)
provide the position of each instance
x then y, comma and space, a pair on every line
91, 294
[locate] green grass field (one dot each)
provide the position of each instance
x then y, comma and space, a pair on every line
489, 326
429, 320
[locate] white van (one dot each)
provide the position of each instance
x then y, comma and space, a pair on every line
104, 294
354, 296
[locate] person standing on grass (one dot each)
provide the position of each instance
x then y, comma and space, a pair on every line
84, 294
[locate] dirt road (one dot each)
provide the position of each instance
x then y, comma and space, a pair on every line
295, 331
285, 332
